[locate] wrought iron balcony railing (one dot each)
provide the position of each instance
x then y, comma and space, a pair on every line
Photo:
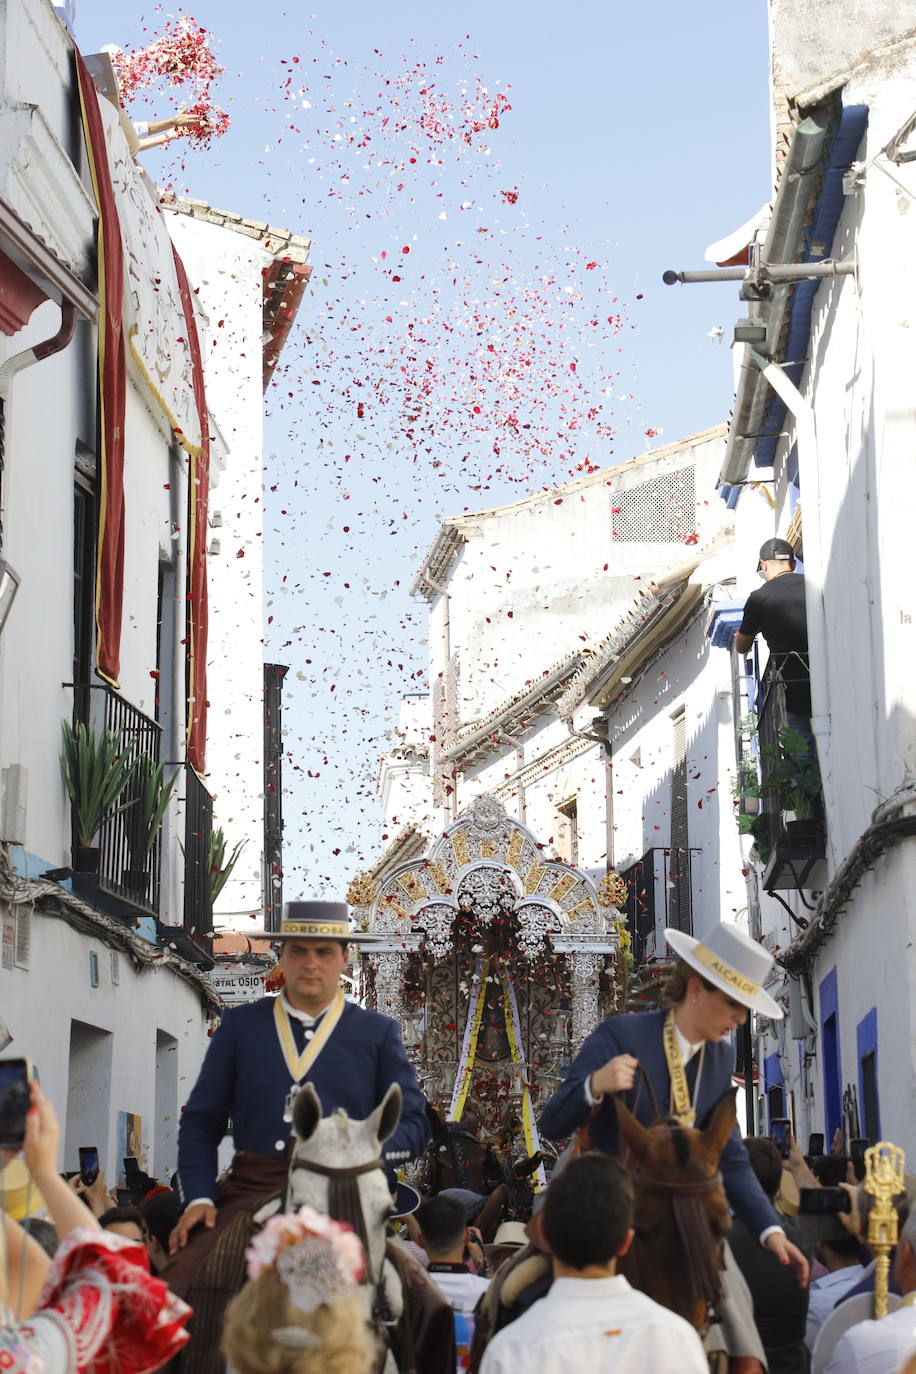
792, 850
198, 825
128, 869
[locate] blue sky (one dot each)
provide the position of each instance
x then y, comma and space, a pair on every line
636, 136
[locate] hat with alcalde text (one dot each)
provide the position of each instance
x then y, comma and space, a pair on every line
732, 962
316, 921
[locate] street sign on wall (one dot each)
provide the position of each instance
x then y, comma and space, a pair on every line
238, 982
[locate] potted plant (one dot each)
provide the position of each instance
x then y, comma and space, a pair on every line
797, 778
759, 828
746, 789
221, 867
96, 767
150, 793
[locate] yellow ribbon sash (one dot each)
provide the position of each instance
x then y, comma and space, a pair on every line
299, 1064
681, 1106
471, 1036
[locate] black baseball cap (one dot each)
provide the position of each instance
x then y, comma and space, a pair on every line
776, 549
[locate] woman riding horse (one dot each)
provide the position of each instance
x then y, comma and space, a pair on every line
678, 1062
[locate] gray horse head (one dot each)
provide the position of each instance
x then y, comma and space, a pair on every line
332, 1167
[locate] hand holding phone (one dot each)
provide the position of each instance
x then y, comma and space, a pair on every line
89, 1165
15, 1077
815, 1144
781, 1130
824, 1201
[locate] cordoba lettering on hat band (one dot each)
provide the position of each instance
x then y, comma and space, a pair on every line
336, 928
724, 971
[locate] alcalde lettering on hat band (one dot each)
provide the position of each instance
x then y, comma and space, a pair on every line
336, 928
724, 971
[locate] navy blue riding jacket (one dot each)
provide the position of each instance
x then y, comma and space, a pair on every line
244, 1080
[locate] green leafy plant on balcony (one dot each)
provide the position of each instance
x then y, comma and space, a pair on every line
220, 867
97, 767
794, 774
150, 793
759, 828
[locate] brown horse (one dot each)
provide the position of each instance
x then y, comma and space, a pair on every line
682, 1216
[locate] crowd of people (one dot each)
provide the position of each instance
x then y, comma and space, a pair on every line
103, 1286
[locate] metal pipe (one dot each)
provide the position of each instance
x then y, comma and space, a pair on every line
46, 349
781, 246
671, 278
776, 272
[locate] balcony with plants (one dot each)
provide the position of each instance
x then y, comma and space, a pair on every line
777, 792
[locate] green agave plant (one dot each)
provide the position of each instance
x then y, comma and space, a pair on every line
221, 867
97, 767
150, 794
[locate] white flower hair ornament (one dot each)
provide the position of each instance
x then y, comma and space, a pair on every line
318, 1261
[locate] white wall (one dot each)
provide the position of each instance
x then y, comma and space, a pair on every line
39, 1006
228, 270
859, 509
51, 407
538, 578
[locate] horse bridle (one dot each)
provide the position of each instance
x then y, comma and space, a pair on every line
705, 1283
345, 1204
661, 1185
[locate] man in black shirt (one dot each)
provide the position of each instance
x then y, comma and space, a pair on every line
777, 611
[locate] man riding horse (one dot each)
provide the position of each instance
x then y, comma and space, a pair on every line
678, 1062
260, 1057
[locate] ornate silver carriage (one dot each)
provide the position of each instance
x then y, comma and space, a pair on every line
497, 962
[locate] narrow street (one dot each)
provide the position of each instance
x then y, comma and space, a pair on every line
457, 722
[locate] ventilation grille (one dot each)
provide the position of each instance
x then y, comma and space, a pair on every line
661, 511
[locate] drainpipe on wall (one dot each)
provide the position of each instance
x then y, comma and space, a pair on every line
809, 467
46, 349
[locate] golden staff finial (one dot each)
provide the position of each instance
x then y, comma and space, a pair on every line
884, 1180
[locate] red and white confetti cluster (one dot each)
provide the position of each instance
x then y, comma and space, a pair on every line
455, 333
460, 345
181, 56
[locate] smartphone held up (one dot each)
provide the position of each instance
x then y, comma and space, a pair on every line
15, 1077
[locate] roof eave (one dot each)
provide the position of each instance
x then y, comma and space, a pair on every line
790, 210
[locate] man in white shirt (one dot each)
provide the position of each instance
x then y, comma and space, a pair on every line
884, 1346
840, 1257
592, 1321
444, 1235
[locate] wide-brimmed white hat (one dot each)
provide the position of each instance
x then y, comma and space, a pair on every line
731, 961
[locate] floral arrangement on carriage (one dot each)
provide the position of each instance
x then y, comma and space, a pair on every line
501, 960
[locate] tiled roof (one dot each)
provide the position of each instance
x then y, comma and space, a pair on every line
452, 531
283, 243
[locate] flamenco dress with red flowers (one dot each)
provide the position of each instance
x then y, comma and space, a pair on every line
100, 1310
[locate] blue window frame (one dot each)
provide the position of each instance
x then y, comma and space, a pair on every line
867, 1055
830, 1049
774, 1088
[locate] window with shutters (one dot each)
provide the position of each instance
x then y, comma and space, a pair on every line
660, 511
568, 831
680, 914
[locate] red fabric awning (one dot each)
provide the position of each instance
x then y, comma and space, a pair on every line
109, 583
198, 506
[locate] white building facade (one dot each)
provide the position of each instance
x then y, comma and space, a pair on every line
824, 416
574, 680
102, 980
